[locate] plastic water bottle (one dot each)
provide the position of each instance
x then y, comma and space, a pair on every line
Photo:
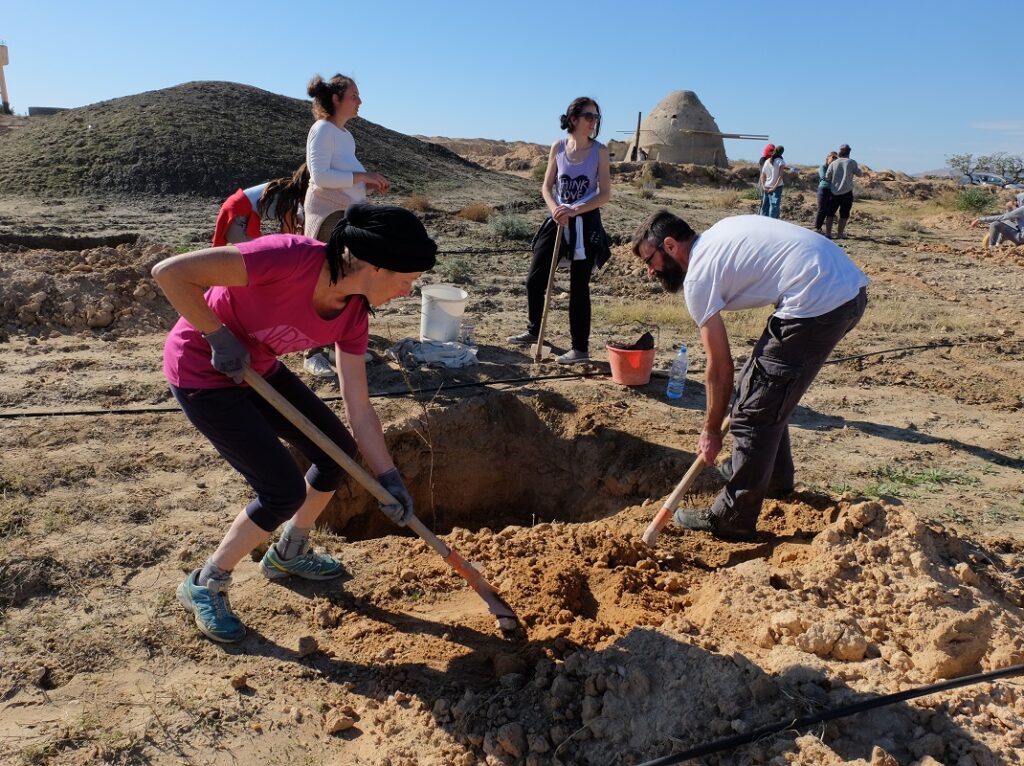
677, 375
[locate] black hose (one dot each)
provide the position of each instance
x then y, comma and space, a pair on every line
376, 395
831, 714
474, 384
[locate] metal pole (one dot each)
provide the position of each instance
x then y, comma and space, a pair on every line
636, 141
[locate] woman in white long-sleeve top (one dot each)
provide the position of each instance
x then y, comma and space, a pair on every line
337, 179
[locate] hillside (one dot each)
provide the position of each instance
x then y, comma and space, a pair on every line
203, 139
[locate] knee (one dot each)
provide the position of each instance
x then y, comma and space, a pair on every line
275, 505
325, 478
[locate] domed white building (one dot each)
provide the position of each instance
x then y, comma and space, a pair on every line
679, 130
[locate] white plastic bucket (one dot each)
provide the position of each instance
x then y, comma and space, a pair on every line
441, 312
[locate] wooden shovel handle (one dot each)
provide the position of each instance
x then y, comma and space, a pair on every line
539, 348
663, 516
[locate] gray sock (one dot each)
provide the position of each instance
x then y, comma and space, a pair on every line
294, 541
211, 571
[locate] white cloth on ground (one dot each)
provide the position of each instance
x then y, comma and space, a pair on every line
432, 353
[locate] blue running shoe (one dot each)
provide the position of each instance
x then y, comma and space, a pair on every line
310, 566
211, 608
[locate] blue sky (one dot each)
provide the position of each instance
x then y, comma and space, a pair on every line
904, 83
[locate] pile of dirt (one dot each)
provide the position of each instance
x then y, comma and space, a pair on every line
496, 155
52, 291
199, 138
639, 652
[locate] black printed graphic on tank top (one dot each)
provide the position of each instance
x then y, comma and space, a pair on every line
572, 188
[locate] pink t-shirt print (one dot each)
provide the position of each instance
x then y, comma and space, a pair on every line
272, 315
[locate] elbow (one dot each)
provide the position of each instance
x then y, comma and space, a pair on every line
159, 272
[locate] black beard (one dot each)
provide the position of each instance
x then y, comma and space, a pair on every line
671, 275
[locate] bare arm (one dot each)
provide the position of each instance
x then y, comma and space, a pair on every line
718, 381
184, 278
549, 179
362, 417
604, 185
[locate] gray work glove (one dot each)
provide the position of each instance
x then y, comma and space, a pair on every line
230, 356
402, 511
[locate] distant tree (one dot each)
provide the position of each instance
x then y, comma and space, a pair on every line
962, 163
1009, 166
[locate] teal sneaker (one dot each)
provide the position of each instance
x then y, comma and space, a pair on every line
310, 566
211, 608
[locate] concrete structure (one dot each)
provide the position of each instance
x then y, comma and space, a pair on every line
43, 111
679, 130
4, 61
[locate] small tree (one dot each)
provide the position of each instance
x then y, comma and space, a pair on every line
962, 163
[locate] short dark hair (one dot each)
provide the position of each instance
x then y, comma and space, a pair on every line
660, 225
844, 150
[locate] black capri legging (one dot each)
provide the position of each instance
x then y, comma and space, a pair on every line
247, 431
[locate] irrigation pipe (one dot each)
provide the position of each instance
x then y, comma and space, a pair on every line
831, 714
12, 415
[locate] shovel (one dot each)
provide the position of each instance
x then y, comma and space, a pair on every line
662, 517
538, 350
496, 605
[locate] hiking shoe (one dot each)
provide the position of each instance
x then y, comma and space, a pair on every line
310, 566
211, 608
319, 366
705, 521
775, 492
522, 339
572, 356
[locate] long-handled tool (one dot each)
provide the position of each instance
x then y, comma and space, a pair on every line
496, 605
662, 517
538, 350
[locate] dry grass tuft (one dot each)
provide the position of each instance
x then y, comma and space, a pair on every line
477, 211
895, 315
418, 202
725, 199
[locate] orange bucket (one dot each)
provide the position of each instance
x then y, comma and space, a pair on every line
631, 367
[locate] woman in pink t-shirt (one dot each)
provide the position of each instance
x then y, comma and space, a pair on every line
246, 305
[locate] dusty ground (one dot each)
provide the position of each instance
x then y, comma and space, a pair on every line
899, 562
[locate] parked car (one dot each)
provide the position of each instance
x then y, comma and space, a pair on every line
988, 179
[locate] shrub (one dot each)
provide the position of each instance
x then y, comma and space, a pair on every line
913, 227
457, 270
751, 193
879, 193
508, 226
726, 199
478, 212
419, 202
974, 200
647, 193
539, 171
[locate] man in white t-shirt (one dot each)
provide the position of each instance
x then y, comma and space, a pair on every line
745, 262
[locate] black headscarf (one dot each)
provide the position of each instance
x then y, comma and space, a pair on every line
385, 236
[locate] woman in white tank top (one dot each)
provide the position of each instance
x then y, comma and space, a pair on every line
577, 183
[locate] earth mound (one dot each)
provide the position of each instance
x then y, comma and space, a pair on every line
496, 155
198, 138
48, 291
